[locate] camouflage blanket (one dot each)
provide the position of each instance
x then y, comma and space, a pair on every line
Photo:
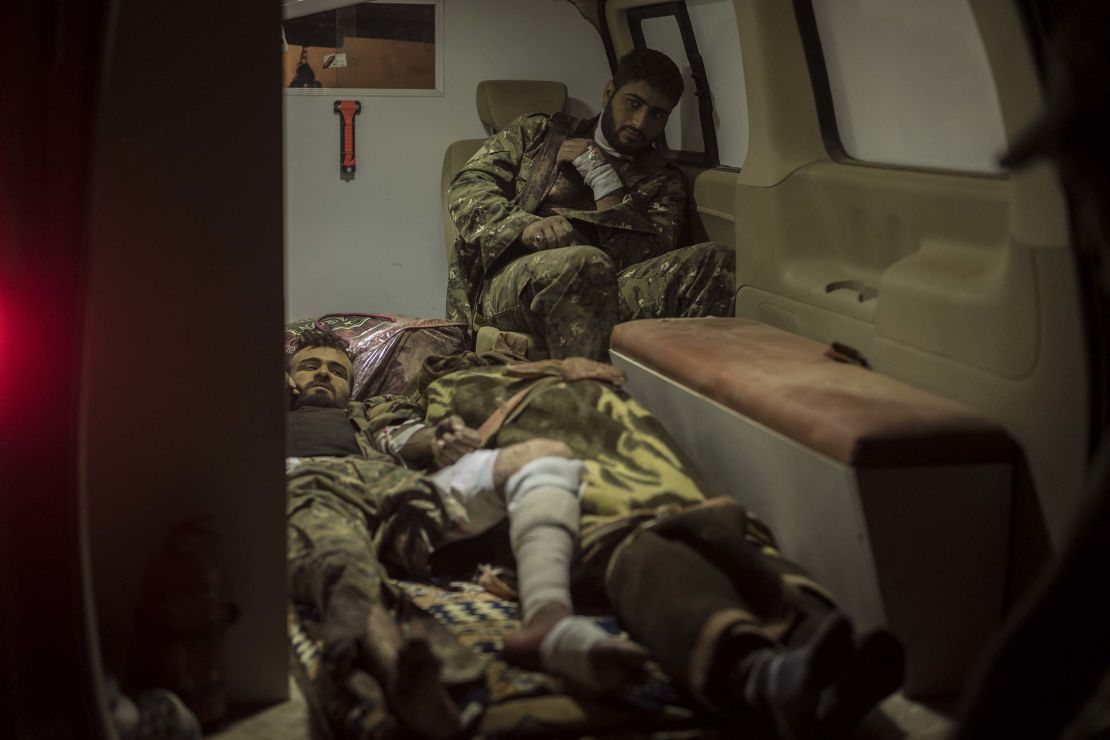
351, 518
632, 463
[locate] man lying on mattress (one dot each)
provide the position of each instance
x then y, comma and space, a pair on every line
576, 467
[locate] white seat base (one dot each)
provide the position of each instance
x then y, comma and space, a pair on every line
921, 550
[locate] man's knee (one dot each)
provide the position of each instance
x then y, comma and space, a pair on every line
543, 490
583, 259
514, 457
717, 252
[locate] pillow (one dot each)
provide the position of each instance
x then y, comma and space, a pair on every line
386, 350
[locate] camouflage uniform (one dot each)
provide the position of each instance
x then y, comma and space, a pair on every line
348, 517
573, 295
369, 506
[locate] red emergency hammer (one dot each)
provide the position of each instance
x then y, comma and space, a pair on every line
347, 110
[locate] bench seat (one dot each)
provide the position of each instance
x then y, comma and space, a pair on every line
896, 499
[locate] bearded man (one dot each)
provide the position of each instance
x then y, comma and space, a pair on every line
369, 486
568, 227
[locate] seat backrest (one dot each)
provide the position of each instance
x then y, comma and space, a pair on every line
499, 103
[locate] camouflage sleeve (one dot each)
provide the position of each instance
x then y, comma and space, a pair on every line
651, 212
372, 416
479, 198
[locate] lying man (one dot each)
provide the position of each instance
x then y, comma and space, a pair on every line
567, 227
354, 503
751, 637
699, 582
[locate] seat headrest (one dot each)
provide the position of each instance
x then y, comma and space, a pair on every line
501, 101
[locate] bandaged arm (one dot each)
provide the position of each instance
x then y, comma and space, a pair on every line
600, 176
410, 442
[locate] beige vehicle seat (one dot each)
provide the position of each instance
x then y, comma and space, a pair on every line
499, 103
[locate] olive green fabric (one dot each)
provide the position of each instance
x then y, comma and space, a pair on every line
366, 509
348, 518
573, 296
569, 295
686, 283
631, 461
482, 203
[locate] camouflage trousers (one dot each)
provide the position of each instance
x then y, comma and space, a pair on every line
346, 517
573, 296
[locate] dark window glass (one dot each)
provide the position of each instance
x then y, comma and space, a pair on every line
368, 45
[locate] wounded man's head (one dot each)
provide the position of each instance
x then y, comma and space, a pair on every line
321, 370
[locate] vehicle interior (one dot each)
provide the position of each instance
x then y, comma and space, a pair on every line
909, 392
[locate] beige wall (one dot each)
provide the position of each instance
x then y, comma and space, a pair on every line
376, 243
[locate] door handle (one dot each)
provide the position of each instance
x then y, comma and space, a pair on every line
864, 291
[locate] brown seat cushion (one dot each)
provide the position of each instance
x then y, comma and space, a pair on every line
786, 382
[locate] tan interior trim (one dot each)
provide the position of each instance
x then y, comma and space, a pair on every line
783, 128
616, 16
1039, 213
717, 214
502, 101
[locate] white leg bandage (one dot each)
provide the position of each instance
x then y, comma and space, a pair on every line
565, 650
469, 483
543, 525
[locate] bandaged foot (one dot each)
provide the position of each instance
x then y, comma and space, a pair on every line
409, 672
784, 687
575, 648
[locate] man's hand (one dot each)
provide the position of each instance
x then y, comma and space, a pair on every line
548, 233
596, 169
571, 149
291, 389
453, 439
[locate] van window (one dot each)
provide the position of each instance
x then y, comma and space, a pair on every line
711, 39
366, 47
715, 28
684, 126
909, 82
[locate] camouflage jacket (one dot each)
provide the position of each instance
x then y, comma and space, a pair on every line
485, 205
335, 498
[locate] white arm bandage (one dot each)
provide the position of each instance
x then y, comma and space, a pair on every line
599, 175
397, 437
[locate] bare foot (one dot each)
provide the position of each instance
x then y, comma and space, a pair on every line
607, 664
411, 676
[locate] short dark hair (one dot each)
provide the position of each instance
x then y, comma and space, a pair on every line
653, 67
318, 338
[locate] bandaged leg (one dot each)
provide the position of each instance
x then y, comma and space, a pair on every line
469, 483
543, 506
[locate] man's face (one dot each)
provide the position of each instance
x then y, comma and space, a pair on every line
323, 377
634, 116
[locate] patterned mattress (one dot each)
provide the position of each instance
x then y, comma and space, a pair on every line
511, 702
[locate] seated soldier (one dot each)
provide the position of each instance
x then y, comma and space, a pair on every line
567, 227
720, 615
